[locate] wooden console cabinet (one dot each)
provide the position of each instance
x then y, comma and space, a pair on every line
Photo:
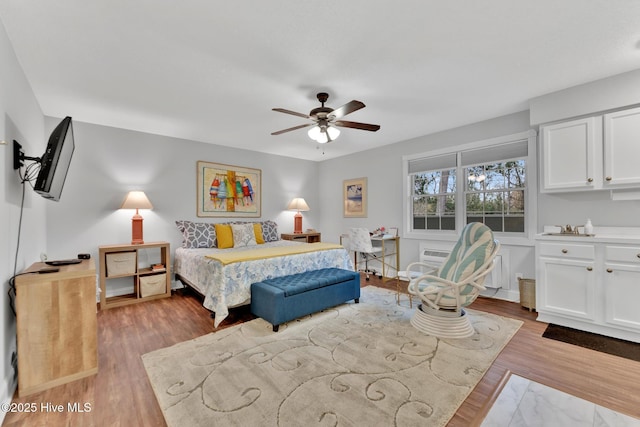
56, 326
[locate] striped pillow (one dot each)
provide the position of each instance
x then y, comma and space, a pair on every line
471, 251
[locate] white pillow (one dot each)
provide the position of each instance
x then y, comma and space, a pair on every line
243, 235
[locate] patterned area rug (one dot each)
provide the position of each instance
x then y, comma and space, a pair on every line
356, 364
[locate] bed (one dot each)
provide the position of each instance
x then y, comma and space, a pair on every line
225, 281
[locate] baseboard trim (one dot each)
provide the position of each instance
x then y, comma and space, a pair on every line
503, 294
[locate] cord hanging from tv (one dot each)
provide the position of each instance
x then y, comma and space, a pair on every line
53, 164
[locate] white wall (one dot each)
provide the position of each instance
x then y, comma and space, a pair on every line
622, 90
108, 162
23, 121
576, 208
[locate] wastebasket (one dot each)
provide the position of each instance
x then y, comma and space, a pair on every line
527, 293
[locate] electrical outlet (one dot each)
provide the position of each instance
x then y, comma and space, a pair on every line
519, 276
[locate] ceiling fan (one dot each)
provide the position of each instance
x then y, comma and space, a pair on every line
324, 120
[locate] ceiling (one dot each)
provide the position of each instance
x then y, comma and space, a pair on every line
211, 71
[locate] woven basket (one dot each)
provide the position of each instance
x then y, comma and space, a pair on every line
527, 293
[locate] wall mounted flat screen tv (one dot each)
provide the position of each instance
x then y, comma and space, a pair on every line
55, 161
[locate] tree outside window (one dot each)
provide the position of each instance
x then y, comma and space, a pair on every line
434, 204
495, 195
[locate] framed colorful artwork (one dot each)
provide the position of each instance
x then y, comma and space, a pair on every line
228, 191
355, 197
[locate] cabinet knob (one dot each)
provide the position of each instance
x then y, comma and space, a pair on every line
589, 179
589, 268
608, 178
564, 251
609, 270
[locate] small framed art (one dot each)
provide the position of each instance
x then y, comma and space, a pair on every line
355, 197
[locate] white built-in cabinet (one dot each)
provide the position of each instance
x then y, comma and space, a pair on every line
589, 286
591, 153
566, 285
622, 285
572, 155
622, 149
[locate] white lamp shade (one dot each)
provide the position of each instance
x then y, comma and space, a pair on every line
322, 138
298, 204
333, 132
136, 200
314, 133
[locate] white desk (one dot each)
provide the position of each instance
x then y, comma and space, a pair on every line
390, 249
389, 255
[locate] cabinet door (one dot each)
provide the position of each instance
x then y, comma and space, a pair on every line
56, 328
622, 148
566, 287
621, 293
572, 155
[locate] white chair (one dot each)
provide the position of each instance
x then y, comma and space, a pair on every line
360, 242
417, 269
456, 284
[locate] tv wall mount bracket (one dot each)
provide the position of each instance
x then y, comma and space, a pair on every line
19, 157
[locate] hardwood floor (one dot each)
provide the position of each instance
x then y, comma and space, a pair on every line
120, 394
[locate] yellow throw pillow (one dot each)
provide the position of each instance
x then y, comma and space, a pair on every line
257, 229
224, 234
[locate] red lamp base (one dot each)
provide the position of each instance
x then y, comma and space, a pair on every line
297, 223
136, 229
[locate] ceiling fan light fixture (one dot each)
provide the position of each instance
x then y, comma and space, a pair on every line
314, 133
323, 133
323, 137
322, 130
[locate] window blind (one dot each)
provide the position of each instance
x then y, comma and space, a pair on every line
495, 153
436, 163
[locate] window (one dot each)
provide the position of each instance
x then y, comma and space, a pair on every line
434, 200
495, 195
433, 186
489, 182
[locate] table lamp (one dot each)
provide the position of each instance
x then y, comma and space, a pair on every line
136, 200
300, 205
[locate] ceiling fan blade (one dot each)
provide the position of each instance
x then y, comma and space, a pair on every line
282, 110
356, 125
347, 108
293, 128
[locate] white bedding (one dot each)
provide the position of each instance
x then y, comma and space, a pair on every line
226, 286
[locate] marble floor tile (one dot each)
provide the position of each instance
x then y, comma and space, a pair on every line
525, 403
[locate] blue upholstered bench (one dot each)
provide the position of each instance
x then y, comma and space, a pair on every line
285, 298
